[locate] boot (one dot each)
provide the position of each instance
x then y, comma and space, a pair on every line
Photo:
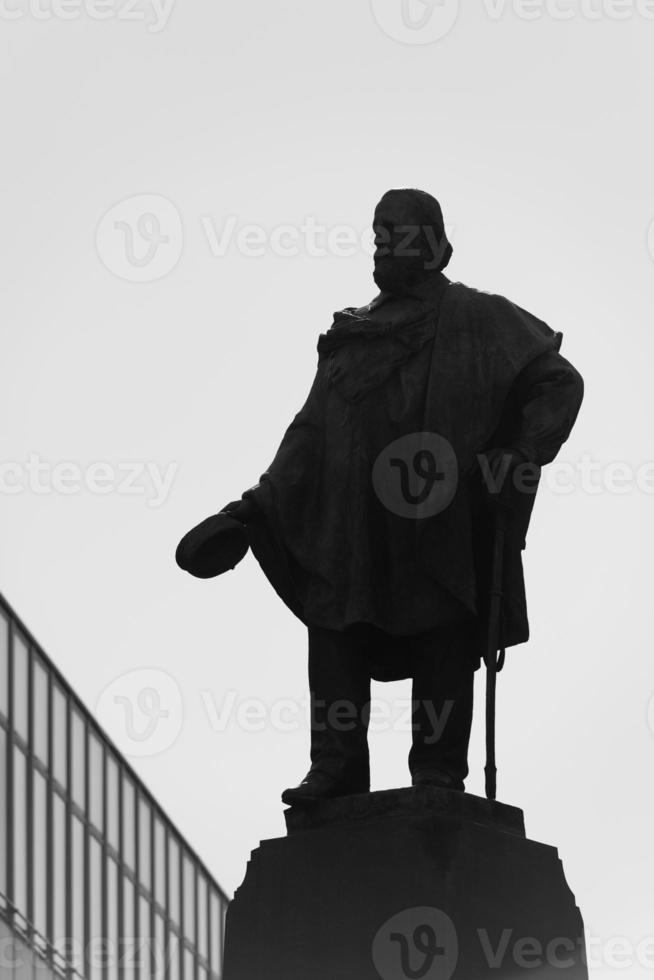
317, 786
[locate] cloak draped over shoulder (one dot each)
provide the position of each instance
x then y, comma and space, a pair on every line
333, 552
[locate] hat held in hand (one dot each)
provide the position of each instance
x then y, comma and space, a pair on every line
215, 546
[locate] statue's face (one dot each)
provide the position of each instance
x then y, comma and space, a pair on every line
406, 251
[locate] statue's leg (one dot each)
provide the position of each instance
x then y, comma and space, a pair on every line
339, 682
443, 665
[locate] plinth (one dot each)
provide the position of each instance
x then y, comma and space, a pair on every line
404, 884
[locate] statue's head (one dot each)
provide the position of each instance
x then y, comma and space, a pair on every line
410, 241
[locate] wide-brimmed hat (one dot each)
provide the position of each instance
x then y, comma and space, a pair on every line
213, 547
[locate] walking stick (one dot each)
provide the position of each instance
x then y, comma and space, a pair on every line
494, 663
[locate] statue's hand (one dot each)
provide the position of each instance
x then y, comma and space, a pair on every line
498, 469
240, 510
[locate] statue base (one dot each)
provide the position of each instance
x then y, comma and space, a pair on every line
411, 883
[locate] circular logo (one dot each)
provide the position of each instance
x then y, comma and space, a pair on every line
416, 476
416, 943
416, 21
142, 711
140, 239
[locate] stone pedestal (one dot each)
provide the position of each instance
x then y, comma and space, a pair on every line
405, 884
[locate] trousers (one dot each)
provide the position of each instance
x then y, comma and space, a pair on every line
441, 663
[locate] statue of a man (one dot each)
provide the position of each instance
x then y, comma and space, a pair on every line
432, 409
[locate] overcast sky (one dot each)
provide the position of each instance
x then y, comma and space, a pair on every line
186, 195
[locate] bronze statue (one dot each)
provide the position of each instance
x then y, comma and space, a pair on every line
431, 413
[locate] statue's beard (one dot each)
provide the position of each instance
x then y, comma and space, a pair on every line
399, 275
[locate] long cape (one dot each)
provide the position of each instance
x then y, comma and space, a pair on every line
456, 362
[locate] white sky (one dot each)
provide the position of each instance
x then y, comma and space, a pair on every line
536, 137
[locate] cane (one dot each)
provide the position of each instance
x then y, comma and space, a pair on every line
494, 663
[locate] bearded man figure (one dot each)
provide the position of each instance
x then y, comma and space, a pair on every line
432, 407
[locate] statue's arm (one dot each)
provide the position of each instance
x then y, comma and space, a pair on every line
547, 396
